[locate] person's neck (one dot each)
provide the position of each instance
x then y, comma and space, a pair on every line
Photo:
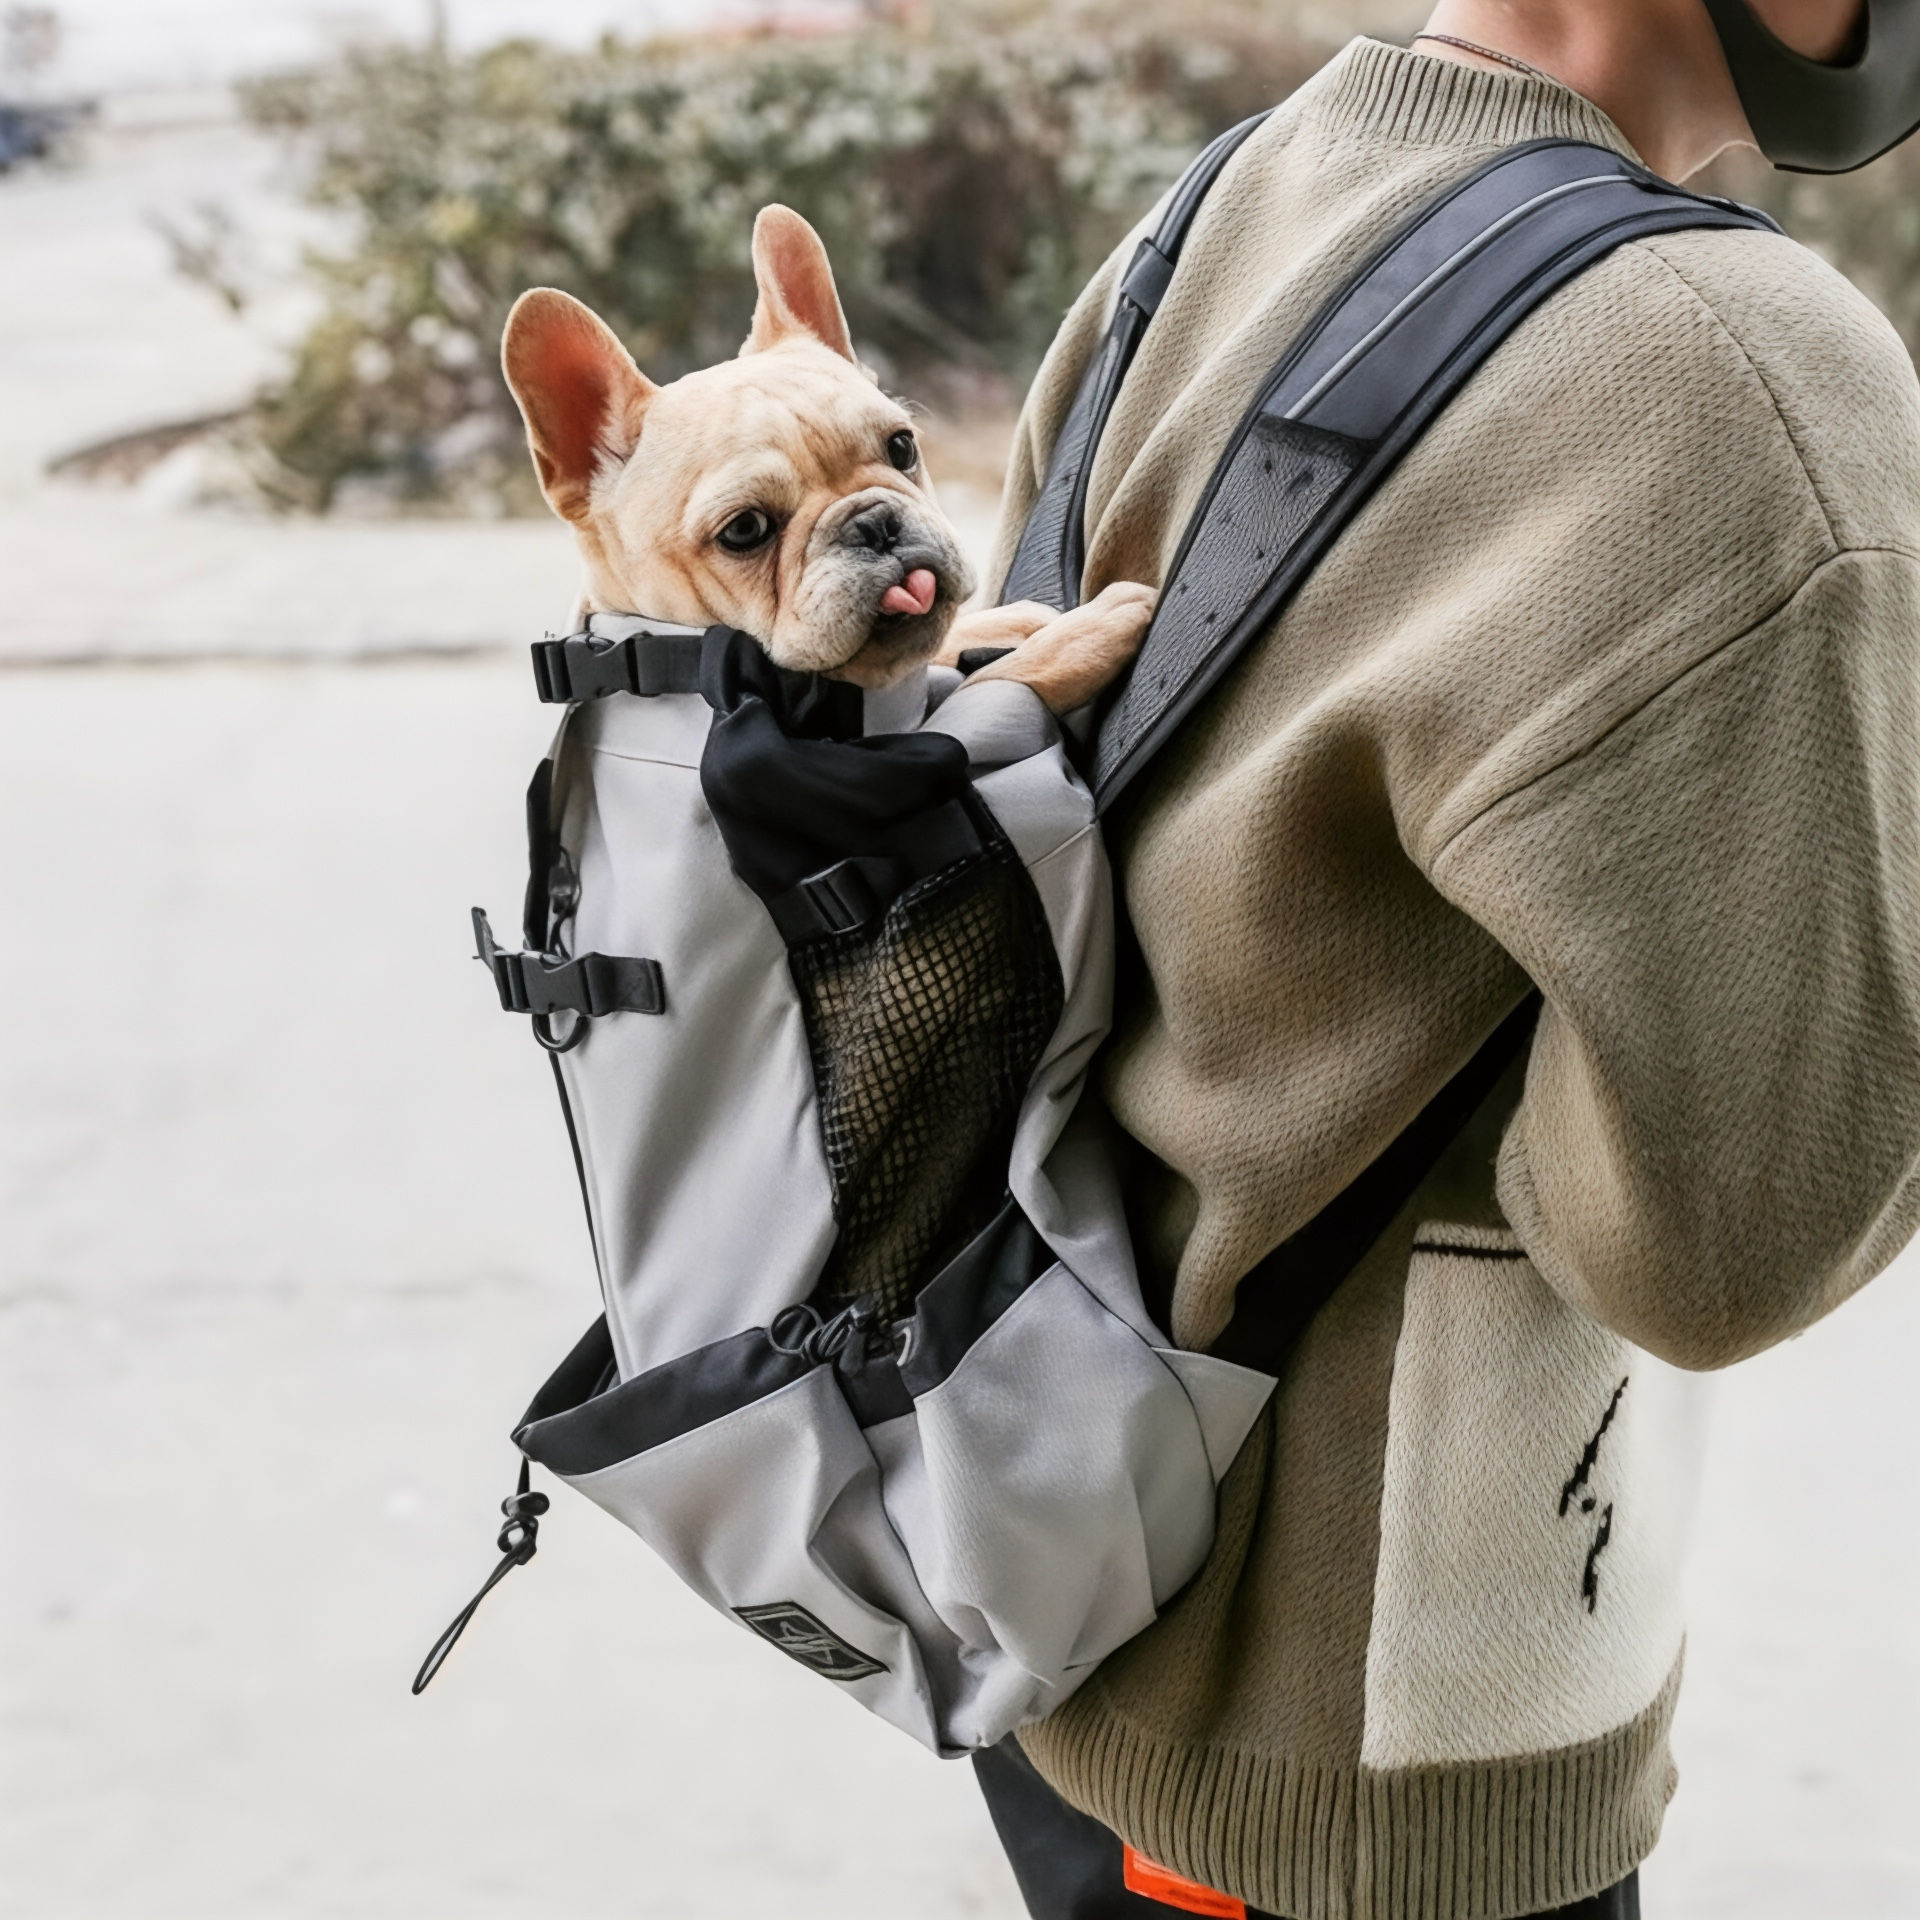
1653, 67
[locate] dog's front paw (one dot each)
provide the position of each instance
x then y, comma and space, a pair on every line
1076, 656
993, 627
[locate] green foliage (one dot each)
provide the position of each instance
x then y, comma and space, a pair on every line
966, 172
967, 168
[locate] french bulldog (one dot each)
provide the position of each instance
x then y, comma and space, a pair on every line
781, 493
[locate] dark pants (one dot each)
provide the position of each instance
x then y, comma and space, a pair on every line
1069, 1865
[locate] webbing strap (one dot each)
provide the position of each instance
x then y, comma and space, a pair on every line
592, 984
584, 666
1345, 401
1356, 390
856, 892
1052, 553
1274, 1303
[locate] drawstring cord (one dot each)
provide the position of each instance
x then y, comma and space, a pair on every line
523, 1509
800, 1332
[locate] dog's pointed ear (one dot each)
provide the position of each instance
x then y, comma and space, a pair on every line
579, 392
795, 278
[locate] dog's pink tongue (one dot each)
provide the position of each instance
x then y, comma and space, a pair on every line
914, 594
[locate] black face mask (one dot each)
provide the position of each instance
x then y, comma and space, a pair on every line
1811, 118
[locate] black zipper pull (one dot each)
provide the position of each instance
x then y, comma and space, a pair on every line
517, 1544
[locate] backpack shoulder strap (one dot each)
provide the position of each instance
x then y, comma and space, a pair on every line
1346, 400
1356, 389
1052, 551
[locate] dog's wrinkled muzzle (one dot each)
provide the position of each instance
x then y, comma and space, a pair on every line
882, 579
884, 533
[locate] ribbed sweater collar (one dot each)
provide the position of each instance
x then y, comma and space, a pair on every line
1389, 93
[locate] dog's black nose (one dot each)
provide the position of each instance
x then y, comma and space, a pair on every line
877, 528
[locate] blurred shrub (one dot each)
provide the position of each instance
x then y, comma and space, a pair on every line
967, 171
968, 167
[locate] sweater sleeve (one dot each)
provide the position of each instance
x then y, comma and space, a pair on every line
1720, 900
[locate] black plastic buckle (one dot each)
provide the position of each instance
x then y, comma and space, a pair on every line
584, 667
843, 897
856, 892
838, 899
590, 985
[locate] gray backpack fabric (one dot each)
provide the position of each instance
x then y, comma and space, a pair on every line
874, 1372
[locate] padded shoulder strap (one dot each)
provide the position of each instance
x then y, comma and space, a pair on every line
1345, 401
1052, 553
1348, 398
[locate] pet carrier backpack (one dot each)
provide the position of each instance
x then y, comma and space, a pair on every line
874, 1373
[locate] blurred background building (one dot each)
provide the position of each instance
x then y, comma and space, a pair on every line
290, 1232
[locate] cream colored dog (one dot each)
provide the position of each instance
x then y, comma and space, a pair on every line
781, 493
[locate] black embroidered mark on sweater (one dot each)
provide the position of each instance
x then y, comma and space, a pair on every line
1469, 1253
1589, 1578
1589, 1458
1578, 1488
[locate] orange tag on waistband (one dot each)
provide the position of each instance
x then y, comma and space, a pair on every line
1154, 1882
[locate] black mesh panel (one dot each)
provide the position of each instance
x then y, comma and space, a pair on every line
925, 1031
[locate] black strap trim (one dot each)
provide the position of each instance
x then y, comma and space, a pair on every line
538, 910
581, 1425
586, 667
1051, 556
1354, 391
586, 1418
957, 1306
593, 984
875, 1391
1281, 1295
972, 659
854, 893
1148, 279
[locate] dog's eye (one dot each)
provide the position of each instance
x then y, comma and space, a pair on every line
903, 450
745, 531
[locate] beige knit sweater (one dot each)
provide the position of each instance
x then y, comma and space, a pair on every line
1613, 688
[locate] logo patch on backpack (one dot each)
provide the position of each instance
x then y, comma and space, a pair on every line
818, 1648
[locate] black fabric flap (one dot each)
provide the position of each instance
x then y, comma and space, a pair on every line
969, 1294
579, 1422
796, 791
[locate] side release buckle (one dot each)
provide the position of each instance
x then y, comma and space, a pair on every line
584, 665
590, 985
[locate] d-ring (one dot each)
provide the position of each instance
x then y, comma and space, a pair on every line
543, 1032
